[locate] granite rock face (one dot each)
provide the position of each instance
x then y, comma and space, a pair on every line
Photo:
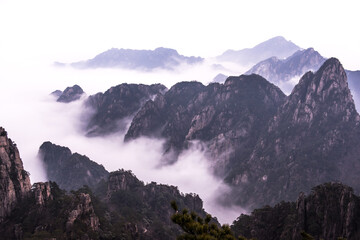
267, 146
14, 180
70, 94
225, 116
313, 138
113, 109
330, 211
43, 210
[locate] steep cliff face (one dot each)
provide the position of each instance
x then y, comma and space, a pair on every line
43, 210
70, 94
227, 116
14, 180
313, 138
113, 109
70, 171
330, 211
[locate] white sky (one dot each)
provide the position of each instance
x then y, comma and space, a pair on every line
72, 30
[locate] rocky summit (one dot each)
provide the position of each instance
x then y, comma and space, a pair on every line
14, 180
313, 138
228, 117
70, 170
267, 146
70, 94
112, 110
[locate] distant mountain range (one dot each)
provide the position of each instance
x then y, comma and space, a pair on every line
275, 47
147, 60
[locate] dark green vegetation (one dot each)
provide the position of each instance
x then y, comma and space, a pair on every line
197, 228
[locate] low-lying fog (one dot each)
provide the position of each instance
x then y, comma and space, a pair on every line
31, 116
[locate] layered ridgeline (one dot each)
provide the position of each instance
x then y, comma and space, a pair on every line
112, 110
133, 210
286, 72
313, 138
160, 58
126, 208
228, 117
267, 146
275, 47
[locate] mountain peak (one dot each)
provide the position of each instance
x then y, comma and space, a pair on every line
275, 47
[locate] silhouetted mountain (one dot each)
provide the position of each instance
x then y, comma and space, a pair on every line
278, 70
69, 94
70, 170
275, 47
160, 58
111, 111
329, 212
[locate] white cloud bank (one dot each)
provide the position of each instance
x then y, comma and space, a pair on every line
32, 116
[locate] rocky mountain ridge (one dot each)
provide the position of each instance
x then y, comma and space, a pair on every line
257, 137
223, 115
112, 110
275, 47
70, 170
314, 133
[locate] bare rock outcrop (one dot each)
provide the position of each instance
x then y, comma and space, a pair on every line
14, 180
